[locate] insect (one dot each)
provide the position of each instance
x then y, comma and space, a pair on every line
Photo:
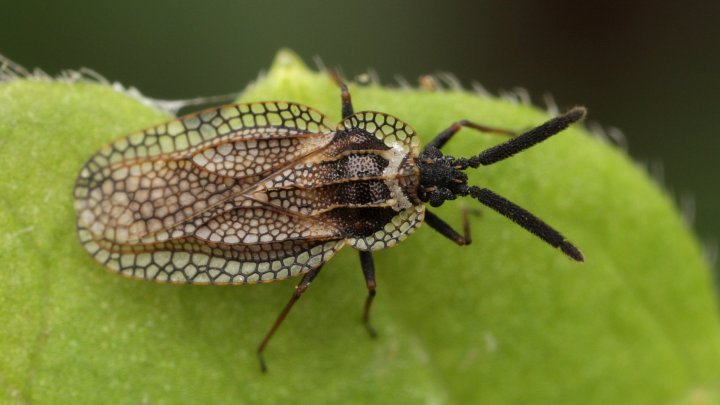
260, 192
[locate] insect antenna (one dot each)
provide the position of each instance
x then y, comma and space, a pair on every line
506, 207
529, 138
525, 219
442, 178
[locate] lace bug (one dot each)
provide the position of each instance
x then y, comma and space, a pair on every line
260, 192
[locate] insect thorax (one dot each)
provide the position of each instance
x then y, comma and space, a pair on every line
357, 182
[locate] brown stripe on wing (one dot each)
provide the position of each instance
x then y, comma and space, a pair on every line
259, 152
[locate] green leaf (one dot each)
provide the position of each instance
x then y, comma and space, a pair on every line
505, 320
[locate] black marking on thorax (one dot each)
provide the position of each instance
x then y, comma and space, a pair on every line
359, 222
357, 183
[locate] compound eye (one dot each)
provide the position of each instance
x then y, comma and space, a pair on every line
461, 177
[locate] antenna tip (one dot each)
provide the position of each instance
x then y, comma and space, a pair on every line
573, 252
576, 113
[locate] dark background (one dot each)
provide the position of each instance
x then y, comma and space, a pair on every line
651, 69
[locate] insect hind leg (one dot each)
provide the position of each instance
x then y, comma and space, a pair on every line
368, 268
345, 99
299, 290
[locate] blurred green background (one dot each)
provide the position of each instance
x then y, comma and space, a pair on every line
648, 68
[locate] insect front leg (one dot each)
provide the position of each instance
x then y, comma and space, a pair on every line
447, 231
443, 137
368, 268
346, 101
299, 290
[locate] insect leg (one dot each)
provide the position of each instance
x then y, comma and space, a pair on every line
531, 137
444, 136
299, 290
445, 230
368, 268
346, 102
174, 106
525, 219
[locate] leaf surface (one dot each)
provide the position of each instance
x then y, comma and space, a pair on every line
505, 320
